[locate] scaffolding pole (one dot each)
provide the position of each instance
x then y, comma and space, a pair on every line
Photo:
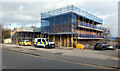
60, 41
67, 40
48, 36
72, 40
45, 35
21, 36
53, 38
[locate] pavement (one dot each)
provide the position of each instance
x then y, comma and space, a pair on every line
97, 58
109, 55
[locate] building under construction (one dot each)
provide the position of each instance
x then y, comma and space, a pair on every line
25, 33
70, 25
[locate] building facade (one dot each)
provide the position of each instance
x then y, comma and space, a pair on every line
25, 33
107, 34
70, 25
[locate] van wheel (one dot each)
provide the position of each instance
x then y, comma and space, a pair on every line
114, 48
105, 49
102, 49
47, 46
36, 46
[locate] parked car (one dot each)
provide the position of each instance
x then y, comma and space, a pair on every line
100, 46
118, 45
25, 42
44, 42
111, 47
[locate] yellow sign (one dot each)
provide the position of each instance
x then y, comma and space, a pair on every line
19, 29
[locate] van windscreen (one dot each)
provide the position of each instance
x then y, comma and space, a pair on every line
39, 40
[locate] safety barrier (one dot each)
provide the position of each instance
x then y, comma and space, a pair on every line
91, 26
87, 36
79, 46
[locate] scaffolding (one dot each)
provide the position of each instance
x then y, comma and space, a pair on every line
70, 8
25, 33
73, 22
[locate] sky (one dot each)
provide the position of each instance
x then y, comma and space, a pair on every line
27, 12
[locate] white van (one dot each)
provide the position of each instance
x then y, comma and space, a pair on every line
44, 42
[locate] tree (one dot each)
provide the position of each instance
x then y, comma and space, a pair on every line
0, 30
5, 33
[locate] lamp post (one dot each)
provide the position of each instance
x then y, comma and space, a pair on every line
11, 31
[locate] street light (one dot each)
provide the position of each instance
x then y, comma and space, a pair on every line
11, 31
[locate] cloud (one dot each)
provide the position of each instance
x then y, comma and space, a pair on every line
112, 22
21, 7
64, 3
28, 13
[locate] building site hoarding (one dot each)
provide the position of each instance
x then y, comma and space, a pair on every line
28, 29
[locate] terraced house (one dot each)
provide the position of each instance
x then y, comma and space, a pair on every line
69, 25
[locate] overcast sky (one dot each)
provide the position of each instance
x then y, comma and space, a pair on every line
27, 12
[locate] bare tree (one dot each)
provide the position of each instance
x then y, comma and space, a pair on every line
4, 32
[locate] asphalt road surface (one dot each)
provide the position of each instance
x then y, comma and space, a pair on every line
14, 60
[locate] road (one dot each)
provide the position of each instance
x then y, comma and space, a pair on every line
13, 60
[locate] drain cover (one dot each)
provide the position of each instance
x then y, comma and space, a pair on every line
58, 53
